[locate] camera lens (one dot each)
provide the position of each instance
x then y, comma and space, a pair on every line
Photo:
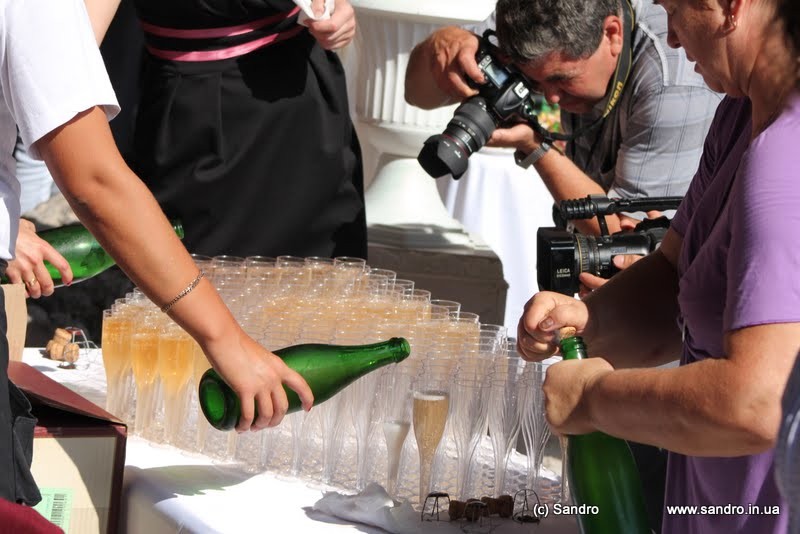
467, 132
562, 256
596, 254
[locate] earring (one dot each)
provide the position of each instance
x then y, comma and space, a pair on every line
732, 21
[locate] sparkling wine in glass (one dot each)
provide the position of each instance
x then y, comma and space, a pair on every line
429, 415
175, 365
144, 361
116, 337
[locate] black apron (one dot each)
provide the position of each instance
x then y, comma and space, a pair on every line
256, 154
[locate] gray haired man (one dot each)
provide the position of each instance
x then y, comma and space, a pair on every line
640, 111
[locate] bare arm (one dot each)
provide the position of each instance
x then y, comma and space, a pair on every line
715, 407
119, 210
634, 315
560, 175
101, 13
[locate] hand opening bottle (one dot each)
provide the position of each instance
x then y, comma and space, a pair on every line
603, 477
326, 368
80, 248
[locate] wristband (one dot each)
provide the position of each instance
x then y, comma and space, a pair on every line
525, 161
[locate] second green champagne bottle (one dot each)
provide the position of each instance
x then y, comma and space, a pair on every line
603, 477
80, 248
326, 368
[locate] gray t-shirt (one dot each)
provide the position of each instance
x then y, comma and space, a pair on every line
650, 143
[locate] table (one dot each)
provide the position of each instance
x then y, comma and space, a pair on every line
168, 490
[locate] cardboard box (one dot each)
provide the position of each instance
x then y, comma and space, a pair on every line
16, 318
78, 455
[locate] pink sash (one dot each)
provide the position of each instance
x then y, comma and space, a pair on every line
228, 31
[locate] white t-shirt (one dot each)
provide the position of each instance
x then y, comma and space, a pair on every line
50, 70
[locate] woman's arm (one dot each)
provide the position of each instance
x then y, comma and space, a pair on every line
101, 13
715, 407
120, 211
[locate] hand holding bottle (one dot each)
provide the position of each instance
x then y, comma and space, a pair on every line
28, 265
567, 385
544, 314
257, 376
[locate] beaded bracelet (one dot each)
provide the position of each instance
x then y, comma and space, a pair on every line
188, 289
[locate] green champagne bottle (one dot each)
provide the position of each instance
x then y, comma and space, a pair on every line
326, 368
603, 477
79, 247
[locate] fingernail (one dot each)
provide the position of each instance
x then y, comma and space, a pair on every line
546, 323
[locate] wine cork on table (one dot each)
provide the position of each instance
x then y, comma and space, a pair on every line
71, 353
55, 349
62, 335
502, 505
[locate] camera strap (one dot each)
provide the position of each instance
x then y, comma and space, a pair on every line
615, 88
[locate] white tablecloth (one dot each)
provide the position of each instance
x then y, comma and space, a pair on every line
504, 205
167, 490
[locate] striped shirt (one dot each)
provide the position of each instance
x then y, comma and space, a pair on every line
787, 450
650, 143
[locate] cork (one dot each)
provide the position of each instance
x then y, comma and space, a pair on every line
71, 352
62, 335
456, 510
505, 506
475, 509
567, 331
55, 350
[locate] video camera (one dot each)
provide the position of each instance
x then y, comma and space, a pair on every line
561, 255
504, 98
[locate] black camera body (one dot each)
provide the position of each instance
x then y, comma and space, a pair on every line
561, 256
504, 98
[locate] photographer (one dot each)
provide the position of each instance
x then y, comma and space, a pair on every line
615, 72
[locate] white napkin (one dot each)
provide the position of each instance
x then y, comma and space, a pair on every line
373, 506
307, 13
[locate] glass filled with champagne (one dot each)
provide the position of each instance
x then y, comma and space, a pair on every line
175, 364
115, 341
144, 362
430, 407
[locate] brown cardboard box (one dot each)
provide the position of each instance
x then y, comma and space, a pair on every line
78, 455
17, 319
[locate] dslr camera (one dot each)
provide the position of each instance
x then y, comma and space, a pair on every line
505, 97
562, 255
